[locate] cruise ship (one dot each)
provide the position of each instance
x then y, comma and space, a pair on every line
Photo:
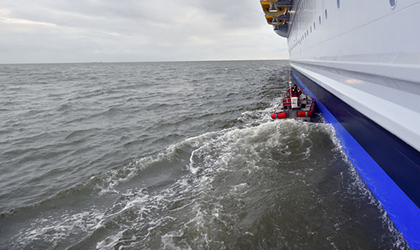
360, 60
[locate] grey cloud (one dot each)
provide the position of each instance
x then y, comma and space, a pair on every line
145, 30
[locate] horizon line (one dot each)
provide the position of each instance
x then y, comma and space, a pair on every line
157, 61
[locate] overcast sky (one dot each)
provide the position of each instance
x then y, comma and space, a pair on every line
39, 31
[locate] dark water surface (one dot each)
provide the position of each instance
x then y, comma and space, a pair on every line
179, 155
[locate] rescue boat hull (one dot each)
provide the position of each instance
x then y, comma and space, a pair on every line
297, 106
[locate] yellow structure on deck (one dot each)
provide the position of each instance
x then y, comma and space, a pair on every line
276, 12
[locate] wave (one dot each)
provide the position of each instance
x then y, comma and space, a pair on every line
200, 184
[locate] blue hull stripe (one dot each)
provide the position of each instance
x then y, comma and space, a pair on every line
400, 208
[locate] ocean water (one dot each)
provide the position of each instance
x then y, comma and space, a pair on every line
173, 155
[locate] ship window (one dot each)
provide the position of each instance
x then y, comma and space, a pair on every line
319, 20
314, 26
393, 3
326, 14
338, 3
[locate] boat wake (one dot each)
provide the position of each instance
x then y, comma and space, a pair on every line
262, 185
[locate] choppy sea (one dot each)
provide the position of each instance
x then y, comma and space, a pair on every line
173, 155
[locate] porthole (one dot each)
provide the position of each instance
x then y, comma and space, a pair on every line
393, 3
338, 3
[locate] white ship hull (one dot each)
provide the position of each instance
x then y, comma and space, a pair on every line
368, 54
361, 62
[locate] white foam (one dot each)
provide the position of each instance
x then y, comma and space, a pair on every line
240, 189
56, 229
212, 156
110, 242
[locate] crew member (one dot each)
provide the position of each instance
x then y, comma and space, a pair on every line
296, 91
